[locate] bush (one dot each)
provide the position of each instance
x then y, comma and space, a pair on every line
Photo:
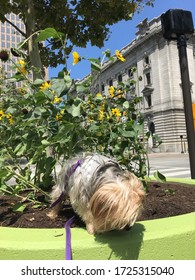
46, 122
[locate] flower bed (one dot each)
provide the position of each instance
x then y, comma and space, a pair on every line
166, 238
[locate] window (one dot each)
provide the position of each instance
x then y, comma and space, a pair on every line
97, 88
8, 29
148, 101
147, 61
130, 73
194, 51
103, 88
120, 78
148, 78
110, 83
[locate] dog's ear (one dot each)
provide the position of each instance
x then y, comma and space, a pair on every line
135, 184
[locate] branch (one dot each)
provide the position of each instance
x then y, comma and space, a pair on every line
13, 25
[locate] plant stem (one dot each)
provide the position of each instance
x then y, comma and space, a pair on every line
20, 177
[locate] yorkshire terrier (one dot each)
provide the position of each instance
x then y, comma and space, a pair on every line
100, 192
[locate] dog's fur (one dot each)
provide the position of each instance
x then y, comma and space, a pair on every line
101, 193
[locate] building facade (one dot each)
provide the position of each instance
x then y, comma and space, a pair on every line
10, 38
158, 82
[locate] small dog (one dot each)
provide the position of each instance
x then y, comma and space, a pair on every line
100, 192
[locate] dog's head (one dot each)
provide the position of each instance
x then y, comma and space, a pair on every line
117, 204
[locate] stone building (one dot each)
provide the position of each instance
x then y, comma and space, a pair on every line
158, 82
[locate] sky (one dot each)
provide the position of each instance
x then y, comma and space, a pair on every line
121, 35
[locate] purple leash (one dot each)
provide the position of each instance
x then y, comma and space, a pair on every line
69, 222
68, 239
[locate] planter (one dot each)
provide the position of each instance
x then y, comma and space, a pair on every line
160, 239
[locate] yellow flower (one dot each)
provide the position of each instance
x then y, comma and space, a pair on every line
119, 56
62, 111
1, 114
60, 115
91, 119
99, 95
45, 85
120, 93
10, 118
100, 148
116, 112
21, 67
111, 91
76, 58
108, 115
21, 91
100, 115
90, 104
56, 100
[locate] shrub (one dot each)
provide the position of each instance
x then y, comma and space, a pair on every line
46, 122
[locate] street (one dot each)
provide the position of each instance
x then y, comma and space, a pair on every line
170, 164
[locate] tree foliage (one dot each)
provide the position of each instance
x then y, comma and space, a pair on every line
81, 20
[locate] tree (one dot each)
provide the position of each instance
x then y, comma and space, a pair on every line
81, 21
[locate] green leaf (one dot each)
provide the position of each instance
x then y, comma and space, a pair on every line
76, 110
159, 176
3, 173
49, 94
128, 133
16, 78
39, 97
126, 104
19, 207
38, 111
60, 86
38, 82
45, 142
93, 128
49, 33
95, 64
20, 148
50, 162
61, 74
81, 89
36, 206
68, 80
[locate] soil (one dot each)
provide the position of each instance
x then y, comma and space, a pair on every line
162, 200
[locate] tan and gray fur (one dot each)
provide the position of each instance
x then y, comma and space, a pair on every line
100, 192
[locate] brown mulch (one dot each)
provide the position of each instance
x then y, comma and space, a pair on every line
162, 200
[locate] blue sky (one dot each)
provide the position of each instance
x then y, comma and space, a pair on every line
121, 35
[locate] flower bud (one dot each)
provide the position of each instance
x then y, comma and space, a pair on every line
4, 55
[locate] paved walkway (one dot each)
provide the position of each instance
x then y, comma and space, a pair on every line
170, 164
